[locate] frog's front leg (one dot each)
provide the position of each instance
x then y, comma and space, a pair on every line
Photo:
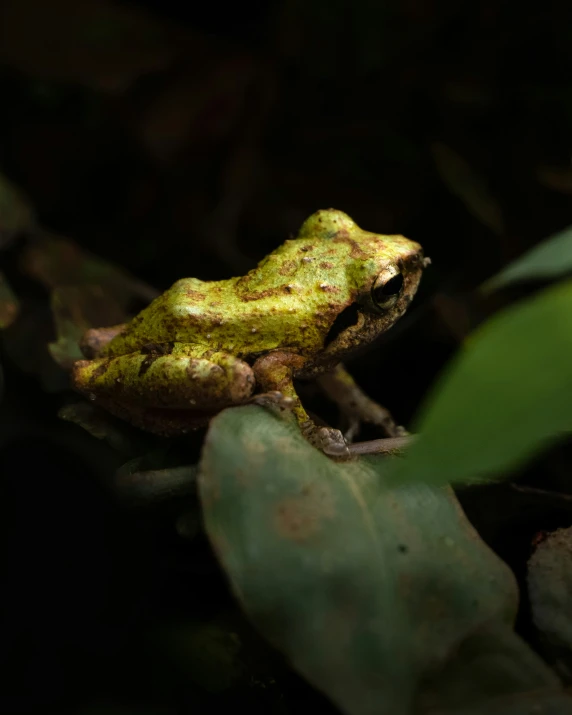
355, 405
275, 372
167, 376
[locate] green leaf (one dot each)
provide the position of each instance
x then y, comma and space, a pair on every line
505, 397
76, 308
101, 425
551, 258
57, 262
372, 591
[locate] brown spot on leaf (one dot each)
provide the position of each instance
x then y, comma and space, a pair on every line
301, 517
326, 265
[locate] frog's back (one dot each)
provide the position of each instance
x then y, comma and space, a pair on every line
289, 300
177, 315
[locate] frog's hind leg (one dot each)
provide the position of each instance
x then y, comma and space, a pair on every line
275, 373
355, 405
95, 340
170, 376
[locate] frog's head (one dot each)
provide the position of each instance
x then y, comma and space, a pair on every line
382, 274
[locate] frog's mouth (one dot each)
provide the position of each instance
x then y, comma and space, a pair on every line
348, 318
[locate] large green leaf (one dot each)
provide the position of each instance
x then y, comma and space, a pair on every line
504, 398
550, 258
383, 597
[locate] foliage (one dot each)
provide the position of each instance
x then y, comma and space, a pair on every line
502, 399
374, 592
145, 141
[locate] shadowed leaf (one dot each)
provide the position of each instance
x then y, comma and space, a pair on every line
550, 591
57, 261
75, 309
463, 182
25, 342
16, 215
550, 258
369, 590
9, 306
100, 424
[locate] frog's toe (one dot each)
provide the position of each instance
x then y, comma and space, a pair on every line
333, 442
328, 440
352, 428
274, 398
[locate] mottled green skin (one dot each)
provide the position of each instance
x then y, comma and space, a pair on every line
288, 303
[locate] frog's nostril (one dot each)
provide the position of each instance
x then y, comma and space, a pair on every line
347, 318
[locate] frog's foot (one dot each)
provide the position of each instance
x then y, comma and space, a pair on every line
328, 440
273, 398
274, 375
376, 415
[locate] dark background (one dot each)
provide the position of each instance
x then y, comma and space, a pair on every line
191, 140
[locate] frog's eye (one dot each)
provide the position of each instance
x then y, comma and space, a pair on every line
386, 290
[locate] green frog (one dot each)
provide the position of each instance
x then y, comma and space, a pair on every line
205, 345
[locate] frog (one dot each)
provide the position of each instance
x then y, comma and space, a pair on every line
203, 346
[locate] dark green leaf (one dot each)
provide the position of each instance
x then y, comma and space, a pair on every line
368, 589
551, 258
75, 309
